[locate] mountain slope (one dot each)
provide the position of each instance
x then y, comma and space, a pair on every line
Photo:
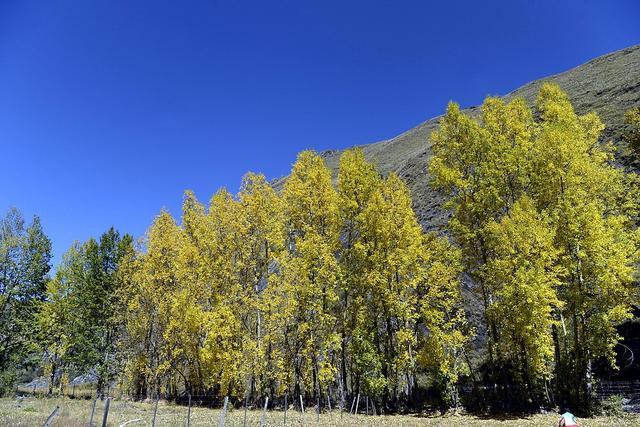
608, 85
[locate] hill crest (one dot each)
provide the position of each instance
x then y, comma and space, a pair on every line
608, 85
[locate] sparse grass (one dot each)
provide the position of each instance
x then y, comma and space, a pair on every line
32, 411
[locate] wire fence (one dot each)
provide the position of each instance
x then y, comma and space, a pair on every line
197, 410
80, 407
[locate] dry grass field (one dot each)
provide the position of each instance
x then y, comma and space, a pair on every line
31, 412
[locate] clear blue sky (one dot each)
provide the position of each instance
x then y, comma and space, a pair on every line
109, 110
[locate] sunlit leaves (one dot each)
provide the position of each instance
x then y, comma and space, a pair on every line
541, 216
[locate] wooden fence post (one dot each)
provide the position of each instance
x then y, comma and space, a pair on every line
285, 409
106, 412
155, 412
223, 414
264, 412
51, 417
189, 412
357, 403
341, 396
246, 403
93, 410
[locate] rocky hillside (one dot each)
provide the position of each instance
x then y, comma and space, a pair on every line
609, 85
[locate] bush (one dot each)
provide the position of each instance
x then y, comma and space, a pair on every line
612, 406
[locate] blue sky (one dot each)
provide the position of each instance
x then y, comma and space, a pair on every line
109, 110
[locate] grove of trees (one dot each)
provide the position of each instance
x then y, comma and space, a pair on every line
329, 288
320, 291
545, 223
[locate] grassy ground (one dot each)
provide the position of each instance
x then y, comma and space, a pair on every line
74, 412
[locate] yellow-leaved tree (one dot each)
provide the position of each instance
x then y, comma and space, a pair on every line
360, 356
261, 218
309, 276
152, 287
577, 182
400, 290
523, 275
540, 215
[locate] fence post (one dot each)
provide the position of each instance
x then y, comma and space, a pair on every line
106, 412
318, 408
51, 417
189, 412
155, 411
224, 412
357, 403
353, 403
93, 410
367, 405
341, 396
264, 412
246, 403
285, 409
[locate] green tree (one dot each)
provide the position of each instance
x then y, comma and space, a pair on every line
80, 321
56, 319
25, 254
